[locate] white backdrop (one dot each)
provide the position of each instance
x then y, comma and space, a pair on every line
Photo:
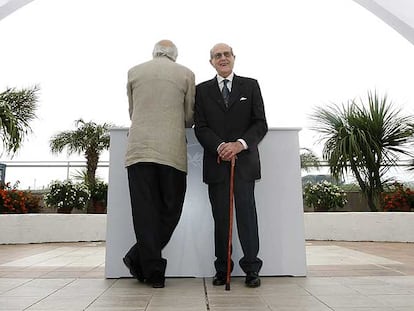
191, 249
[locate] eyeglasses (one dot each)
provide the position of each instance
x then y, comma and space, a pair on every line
225, 54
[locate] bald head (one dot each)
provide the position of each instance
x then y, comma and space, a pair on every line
165, 48
220, 46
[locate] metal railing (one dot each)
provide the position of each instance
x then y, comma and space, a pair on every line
403, 171
38, 174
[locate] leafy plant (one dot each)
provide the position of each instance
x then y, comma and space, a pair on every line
66, 195
99, 191
89, 138
324, 196
14, 201
398, 198
366, 139
17, 110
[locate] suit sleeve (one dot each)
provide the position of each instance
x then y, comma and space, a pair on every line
205, 135
189, 100
258, 128
130, 100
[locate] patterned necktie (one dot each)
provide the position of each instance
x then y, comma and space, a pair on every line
225, 92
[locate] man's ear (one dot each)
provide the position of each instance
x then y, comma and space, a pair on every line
211, 62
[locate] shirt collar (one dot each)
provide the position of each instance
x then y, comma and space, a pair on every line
230, 78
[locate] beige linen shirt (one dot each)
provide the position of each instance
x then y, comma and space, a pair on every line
161, 96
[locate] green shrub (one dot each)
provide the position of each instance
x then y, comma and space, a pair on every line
398, 198
66, 195
14, 201
324, 196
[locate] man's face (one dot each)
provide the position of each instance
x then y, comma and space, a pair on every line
222, 59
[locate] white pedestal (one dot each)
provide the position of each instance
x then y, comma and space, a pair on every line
191, 249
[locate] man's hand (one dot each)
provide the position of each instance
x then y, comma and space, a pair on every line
228, 150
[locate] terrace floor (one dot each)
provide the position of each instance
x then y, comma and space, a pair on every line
342, 276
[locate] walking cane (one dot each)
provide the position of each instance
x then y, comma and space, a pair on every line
233, 162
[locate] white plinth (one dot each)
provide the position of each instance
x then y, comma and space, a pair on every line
191, 249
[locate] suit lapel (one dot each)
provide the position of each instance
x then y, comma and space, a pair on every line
236, 86
215, 94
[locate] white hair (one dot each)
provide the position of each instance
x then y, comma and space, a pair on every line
165, 48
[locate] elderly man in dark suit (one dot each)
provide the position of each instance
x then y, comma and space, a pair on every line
230, 122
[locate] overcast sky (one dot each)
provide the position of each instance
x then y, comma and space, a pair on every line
303, 53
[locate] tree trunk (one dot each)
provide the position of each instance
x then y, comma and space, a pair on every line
92, 159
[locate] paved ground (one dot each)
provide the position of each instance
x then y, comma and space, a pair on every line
342, 276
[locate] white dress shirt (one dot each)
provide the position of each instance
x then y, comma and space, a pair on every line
220, 81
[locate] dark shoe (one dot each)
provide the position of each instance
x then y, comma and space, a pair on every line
252, 279
158, 284
219, 279
135, 272
157, 280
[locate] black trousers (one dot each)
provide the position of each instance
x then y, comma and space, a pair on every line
157, 195
246, 220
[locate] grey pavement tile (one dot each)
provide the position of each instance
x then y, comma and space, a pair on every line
128, 291
136, 302
16, 303
354, 301
87, 284
366, 309
181, 286
317, 280
63, 274
286, 289
173, 286
7, 284
355, 280
138, 289
330, 289
196, 302
24, 274
277, 302
240, 301
395, 300
406, 281
37, 288
241, 308
58, 303
174, 308
303, 308
387, 289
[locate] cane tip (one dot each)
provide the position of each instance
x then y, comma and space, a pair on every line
227, 286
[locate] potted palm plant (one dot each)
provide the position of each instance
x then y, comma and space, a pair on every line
89, 138
99, 193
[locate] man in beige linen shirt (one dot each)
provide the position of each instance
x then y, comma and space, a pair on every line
161, 104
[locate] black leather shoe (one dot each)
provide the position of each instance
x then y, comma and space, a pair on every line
135, 272
219, 279
252, 279
157, 280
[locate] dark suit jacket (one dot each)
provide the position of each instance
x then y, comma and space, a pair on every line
214, 124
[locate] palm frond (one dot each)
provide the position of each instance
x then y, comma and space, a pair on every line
17, 111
